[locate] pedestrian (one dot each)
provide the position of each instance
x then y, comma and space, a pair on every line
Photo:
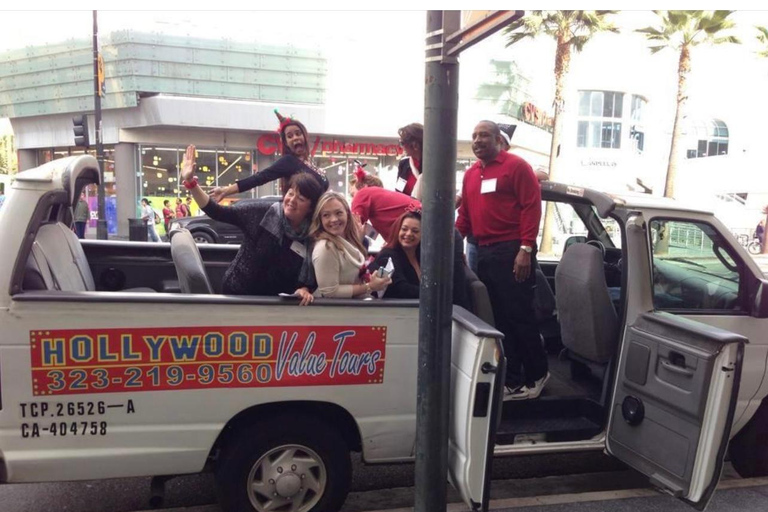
148, 214
168, 216
296, 158
760, 231
339, 255
409, 168
82, 215
181, 209
501, 207
188, 204
274, 256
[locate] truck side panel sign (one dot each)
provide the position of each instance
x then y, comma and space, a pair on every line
66, 362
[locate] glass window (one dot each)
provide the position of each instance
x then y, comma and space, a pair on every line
691, 268
158, 177
581, 140
569, 228
233, 166
710, 138
638, 109
206, 168
598, 128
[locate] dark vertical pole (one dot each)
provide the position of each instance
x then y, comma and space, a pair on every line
435, 310
101, 224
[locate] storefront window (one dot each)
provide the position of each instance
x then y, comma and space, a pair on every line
233, 166
158, 176
206, 168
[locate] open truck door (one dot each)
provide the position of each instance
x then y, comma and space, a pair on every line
674, 401
477, 383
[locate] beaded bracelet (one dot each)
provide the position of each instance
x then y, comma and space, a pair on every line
191, 183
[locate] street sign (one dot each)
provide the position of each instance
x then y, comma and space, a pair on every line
476, 26
102, 90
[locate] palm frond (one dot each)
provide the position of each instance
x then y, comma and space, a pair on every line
657, 49
726, 40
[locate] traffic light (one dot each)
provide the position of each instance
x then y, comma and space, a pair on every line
80, 127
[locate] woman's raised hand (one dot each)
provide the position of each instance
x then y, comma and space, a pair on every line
188, 164
379, 283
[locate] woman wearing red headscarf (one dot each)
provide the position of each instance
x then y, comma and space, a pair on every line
296, 158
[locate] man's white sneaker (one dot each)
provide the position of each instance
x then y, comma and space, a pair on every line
524, 392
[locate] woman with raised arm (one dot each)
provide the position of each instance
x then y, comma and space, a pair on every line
274, 256
296, 158
339, 256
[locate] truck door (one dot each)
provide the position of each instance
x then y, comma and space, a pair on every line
477, 377
674, 401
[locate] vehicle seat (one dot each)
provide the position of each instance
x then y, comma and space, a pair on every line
588, 321
544, 302
478, 297
188, 262
58, 261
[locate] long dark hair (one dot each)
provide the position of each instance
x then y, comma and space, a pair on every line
286, 149
394, 235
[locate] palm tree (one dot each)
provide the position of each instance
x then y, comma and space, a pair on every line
763, 38
571, 30
682, 31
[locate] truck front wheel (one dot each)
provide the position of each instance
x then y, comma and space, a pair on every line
289, 464
749, 448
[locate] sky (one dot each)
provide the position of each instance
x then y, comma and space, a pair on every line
376, 64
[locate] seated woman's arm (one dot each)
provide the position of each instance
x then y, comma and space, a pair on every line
405, 283
327, 264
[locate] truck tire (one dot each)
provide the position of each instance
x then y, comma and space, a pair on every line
201, 237
271, 465
749, 448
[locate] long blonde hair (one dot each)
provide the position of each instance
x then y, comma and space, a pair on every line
351, 233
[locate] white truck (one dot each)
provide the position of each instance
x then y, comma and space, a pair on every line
658, 356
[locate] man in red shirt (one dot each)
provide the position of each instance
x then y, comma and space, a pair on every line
501, 207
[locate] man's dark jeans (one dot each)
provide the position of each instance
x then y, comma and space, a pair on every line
512, 304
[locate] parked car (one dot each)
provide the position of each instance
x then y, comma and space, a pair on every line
105, 374
206, 230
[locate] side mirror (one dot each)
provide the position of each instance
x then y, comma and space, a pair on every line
578, 239
760, 306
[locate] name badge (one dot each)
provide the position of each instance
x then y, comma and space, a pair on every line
488, 186
400, 185
299, 249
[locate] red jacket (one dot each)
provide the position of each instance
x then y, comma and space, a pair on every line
506, 209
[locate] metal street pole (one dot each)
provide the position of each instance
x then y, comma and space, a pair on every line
101, 224
438, 184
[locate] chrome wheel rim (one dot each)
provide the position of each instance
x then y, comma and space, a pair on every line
288, 478
200, 240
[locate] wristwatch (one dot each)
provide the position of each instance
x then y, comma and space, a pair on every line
526, 248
